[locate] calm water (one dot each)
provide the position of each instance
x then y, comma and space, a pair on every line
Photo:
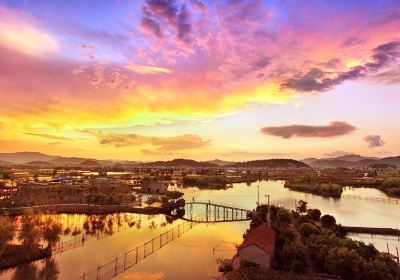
194, 255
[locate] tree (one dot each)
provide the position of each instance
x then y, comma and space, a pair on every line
344, 262
340, 231
328, 221
284, 216
295, 258
308, 229
29, 233
51, 232
315, 214
6, 232
302, 206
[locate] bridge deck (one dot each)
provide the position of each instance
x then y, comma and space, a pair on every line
372, 230
217, 205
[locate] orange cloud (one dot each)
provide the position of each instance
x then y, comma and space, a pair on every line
159, 144
48, 136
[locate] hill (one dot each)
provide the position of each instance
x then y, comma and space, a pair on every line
271, 163
180, 163
68, 161
90, 162
38, 162
352, 161
221, 162
353, 157
25, 157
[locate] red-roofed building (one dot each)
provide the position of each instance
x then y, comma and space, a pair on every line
258, 247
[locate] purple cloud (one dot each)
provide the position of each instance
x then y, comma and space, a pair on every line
331, 130
317, 80
374, 141
166, 14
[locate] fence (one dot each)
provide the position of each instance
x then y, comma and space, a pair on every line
73, 243
81, 238
286, 275
369, 198
132, 257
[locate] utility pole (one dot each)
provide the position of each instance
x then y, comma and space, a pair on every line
258, 195
267, 195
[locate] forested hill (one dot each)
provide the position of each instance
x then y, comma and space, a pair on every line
271, 163
179, 163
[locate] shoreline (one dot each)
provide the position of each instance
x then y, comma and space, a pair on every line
90, 209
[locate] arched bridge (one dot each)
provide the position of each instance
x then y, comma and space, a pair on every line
214, 212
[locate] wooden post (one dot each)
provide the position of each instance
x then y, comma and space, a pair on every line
387, 244
97, 277
398, 259
116, 265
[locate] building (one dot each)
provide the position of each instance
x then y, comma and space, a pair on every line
258, 247
154, 187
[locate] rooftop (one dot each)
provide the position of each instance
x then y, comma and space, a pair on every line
262, 236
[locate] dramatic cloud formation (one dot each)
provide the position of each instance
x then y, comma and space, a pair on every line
146, 62
317, 80
173, 143
331, 130
374, 141
170, 15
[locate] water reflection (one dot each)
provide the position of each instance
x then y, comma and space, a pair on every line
46, 269
192, 256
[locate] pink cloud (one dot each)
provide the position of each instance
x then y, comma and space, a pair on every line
374, 141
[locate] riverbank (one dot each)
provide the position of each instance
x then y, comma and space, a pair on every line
91, 209
17, 254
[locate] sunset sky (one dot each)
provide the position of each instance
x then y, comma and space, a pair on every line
200, 79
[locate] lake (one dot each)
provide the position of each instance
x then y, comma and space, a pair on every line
194, 255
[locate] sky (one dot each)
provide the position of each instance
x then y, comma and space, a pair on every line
202, 79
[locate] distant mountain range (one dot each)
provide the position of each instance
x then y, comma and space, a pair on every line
24, 157
39, 159
351, 161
